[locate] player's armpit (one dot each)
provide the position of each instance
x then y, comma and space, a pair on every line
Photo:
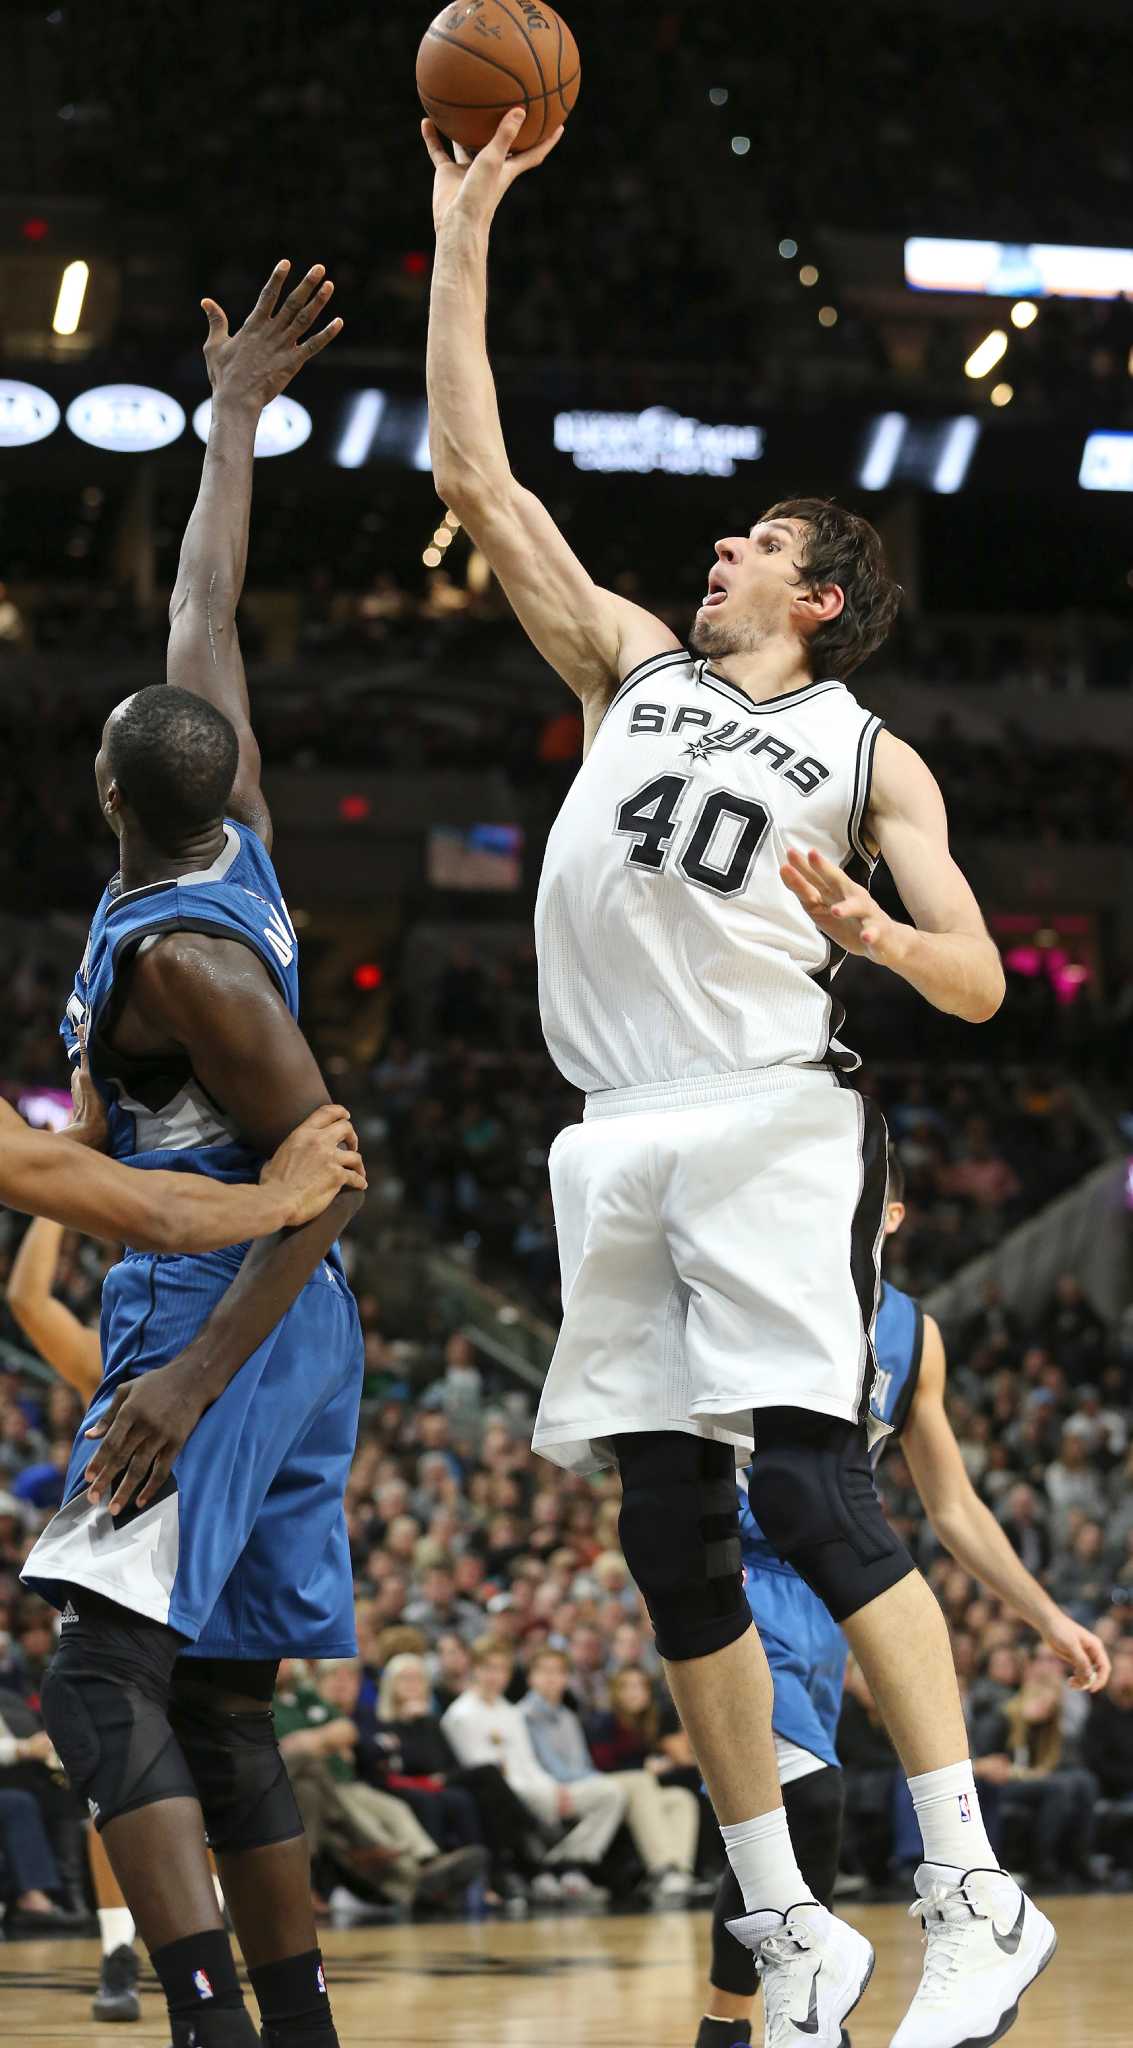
590, 636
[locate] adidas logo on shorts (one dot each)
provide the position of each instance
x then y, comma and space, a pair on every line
67, 1615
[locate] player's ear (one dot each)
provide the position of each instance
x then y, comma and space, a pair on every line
112, 807
822, 604
894, 1217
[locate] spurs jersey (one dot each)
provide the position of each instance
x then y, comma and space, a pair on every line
669, 947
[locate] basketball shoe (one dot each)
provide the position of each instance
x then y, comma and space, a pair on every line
813, 1969
985, 1942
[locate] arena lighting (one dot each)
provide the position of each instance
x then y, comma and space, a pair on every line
1024, 314
936, 454
128, 419
1002, 394
362, 423
72, 292
27, 414
1107, 463
956, 455
367, 975
640, 443
991, 350
788, 247
828, 316
808, 275
882, 449
283, 427
1013, 270
422, 459
718, 94
432, 558
741, 145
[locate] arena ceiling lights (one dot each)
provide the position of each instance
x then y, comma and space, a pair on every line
127, 419
1018, 270
1107, 463
936, 454
283, 427
27, 414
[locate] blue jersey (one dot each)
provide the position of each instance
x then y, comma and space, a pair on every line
244, 1551
238, 897
805, 1648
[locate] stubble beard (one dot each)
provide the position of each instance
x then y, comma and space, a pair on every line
717, 638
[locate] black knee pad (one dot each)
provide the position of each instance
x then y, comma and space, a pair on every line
813, 1494
680, 1534
104, 1704
221, 1714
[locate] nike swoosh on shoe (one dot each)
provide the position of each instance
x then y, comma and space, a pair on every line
1009, 1942
810, 2024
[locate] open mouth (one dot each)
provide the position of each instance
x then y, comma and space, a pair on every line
717, 592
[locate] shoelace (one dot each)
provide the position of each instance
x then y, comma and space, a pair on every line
944, 1939
778, 1985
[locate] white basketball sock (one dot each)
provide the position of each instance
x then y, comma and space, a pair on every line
951, 1824
116, 1928
763, 1860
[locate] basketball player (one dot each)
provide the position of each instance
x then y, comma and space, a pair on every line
205, 1537
807, 1651
704, 880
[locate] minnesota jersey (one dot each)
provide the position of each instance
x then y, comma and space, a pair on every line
237, 897
805, 1649
669, 947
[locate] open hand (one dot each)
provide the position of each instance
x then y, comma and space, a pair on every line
317, 1161
257, 362
844, 912
143, 1429
479, 182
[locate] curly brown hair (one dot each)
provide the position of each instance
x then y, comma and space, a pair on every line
843, 548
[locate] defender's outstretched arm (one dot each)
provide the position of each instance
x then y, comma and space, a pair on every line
246, 370
970, 1533
590, 635
62, 1340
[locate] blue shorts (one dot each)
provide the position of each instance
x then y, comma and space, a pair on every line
807, 1655
245, 1550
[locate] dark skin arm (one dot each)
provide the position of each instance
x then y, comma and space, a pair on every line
214, 1000
246, 370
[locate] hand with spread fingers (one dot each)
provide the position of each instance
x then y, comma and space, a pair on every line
844, 912
477, 183
255, 364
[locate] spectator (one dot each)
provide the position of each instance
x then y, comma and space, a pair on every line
371, 1835
663, 1820
484, 1727
1071, 1482
1050, 1797
421, 1762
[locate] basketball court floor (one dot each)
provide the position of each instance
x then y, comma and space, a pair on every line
580, 1982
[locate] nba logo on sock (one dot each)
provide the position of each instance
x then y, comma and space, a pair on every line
965, 1807
321, 1980
202, 1985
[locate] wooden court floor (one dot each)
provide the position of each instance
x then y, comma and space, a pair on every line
581, 1982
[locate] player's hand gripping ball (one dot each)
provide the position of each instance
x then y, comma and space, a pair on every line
481, 57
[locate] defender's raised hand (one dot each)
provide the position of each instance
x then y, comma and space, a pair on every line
256, 363
479, 182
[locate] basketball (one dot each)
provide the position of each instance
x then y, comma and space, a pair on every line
481, 57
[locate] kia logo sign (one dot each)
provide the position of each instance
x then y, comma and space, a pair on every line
284, 426
27, 414
129, 419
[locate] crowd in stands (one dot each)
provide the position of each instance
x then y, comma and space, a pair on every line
504, 1736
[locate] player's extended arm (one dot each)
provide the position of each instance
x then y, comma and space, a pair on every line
946, 954
214, 1000
63, 1342
969, 1531
246, 370
590, 635
45, 1174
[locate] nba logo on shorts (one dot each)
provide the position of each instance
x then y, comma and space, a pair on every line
202, 1985
965, 1807
321, 1980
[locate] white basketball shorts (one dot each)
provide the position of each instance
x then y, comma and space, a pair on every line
719, 1242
